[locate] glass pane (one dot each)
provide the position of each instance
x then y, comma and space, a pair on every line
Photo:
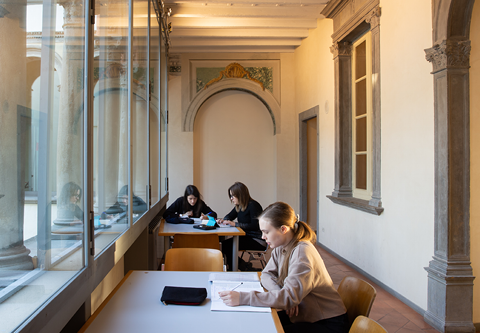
163, 120
154, 105
361, 97
360, 60
41, 153
361, 134
361, 172
139, 109
110, 142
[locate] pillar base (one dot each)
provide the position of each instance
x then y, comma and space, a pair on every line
450, 296
16, 258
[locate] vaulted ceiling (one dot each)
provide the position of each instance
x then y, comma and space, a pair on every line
241, 25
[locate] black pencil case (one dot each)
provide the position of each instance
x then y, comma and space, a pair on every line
183, 295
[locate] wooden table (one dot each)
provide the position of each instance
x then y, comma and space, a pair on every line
134, 306
169, 229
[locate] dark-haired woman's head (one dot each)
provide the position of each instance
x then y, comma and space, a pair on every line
239, 196
71, 193
191, 200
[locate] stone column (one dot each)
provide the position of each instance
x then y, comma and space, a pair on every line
13, 254
342, 55
71, 110
450, 276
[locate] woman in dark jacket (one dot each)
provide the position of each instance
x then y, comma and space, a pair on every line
121, 206
68, 212
246, 211
190, 205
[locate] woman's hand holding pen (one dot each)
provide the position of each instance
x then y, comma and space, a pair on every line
230, 298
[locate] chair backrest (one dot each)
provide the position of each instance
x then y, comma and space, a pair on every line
357, 296
363, 324
193, 259
207, 241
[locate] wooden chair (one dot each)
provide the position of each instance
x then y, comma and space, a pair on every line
255, 255
207, 241
357, 296
193, 259
363, 324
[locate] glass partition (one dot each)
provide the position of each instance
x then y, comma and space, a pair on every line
163, 119
154, 105
139, 117
44, 224
42, 220
110, 109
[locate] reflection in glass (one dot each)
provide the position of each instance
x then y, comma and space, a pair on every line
41, 153
154, 105
110, 107
139, 117
163, 120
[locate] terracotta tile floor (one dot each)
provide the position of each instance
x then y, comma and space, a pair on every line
388, 311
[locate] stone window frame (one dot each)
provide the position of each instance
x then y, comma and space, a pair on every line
349, 24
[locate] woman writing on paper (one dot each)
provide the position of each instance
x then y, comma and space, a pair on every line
190, 205
246, 211
295, 277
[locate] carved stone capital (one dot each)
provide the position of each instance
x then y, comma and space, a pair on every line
373, 18
73, 13
341, 49
449, 54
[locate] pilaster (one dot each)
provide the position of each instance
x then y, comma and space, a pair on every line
450, 276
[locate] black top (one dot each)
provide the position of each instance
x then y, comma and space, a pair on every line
176, 208
247, 220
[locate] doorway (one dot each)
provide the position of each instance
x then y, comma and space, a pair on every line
308, 131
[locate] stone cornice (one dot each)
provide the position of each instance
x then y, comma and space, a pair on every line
341, 49
449, 54
333, 7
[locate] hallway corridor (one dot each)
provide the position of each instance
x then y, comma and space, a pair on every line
387, 310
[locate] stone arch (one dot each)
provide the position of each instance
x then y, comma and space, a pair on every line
232, 84
450, 275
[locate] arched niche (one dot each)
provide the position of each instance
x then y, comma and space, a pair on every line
232, 84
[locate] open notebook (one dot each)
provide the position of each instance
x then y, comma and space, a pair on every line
244, 282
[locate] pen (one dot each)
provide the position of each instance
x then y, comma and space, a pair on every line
238, 285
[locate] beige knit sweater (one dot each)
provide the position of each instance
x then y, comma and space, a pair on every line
307, 285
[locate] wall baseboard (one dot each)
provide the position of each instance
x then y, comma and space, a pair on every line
382, 285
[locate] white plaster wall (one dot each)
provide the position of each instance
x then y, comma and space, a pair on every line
284, 148
234, 141
180, 144
396, 246
475, 156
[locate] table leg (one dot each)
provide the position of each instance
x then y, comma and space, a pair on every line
235, 254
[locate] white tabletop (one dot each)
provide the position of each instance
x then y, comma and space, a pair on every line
170, 229
136, 307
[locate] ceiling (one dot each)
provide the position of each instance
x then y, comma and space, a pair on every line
241, 25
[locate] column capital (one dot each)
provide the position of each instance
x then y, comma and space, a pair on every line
449, 54
373, 18
341, 49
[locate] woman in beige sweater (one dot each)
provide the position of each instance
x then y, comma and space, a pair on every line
296, 278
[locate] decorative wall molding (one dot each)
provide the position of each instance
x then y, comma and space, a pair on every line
373, 18
341, 49
449, 54
232, 84
234, 70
